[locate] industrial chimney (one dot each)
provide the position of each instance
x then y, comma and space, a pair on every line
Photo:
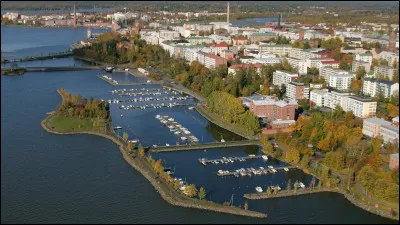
227, 14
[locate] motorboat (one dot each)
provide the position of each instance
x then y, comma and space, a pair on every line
286, 169
265, 157
302, 185
271, 167
259, 189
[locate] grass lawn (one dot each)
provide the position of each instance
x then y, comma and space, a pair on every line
68, 124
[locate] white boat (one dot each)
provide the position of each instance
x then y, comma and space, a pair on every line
286, 169
220, 171
271, 167
158, 116
302, 185
265, 157
274, 170
166, 144
222, 140
177, 132
183, 138
259, 189
252, 155
117, 127
134, 141
154, 145
190, 108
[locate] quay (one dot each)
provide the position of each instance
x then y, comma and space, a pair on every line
172, 148
33, 58
130, 84
285, 193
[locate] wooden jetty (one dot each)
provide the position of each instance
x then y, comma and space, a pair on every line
264, 171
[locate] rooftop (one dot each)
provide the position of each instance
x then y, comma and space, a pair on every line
270, 100
394, 155
383, 123
358, 98
263, 34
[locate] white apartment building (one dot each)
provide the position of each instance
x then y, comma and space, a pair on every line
317, 62
299, 64
374, 87
385, 71
364, 57
318, 96
361, 107
280, 50
326, 72
389, 56
282, 77
299, 53
356, 64
264, 60
340, 81
373, 127
199, 40
218, 39
168, 35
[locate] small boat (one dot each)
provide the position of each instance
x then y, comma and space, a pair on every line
222, 139
265, 157
134, 141
166, 144
190, 108
259, 189
154, 145
286, 169
117, 127
302, 185
271, 167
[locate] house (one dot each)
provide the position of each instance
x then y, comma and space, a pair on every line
394, 161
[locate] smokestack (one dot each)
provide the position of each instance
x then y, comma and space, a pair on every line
279, 20
227, 14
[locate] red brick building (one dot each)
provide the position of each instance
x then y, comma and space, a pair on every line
272, 108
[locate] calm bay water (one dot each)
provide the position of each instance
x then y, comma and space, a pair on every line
48, 178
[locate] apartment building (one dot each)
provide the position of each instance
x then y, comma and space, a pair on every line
374, 87
332, 64
340, 81
239, 41
385, 71
274, 109
361, 107
394, 161
283, 77
199, 40
299, 64
374, 127
218, 48
318, 97
211, 61
355, 64
391, 57
326, 72
168, 35
364, 57
278, 49
311, 53
297, 91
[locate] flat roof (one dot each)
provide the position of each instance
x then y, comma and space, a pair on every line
358, 98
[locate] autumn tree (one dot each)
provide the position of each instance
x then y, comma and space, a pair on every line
191, 190
141, 150
202, 193
269, 192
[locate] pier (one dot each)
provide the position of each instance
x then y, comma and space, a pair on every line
251, 171
172, 148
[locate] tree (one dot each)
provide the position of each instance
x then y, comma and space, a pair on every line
276, 190
246, 206
202, 193
158, 166
312, 183
267, 149
191, 190
269, 192
141, 150
296, 186
125, 136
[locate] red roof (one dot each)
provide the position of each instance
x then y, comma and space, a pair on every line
220, 45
